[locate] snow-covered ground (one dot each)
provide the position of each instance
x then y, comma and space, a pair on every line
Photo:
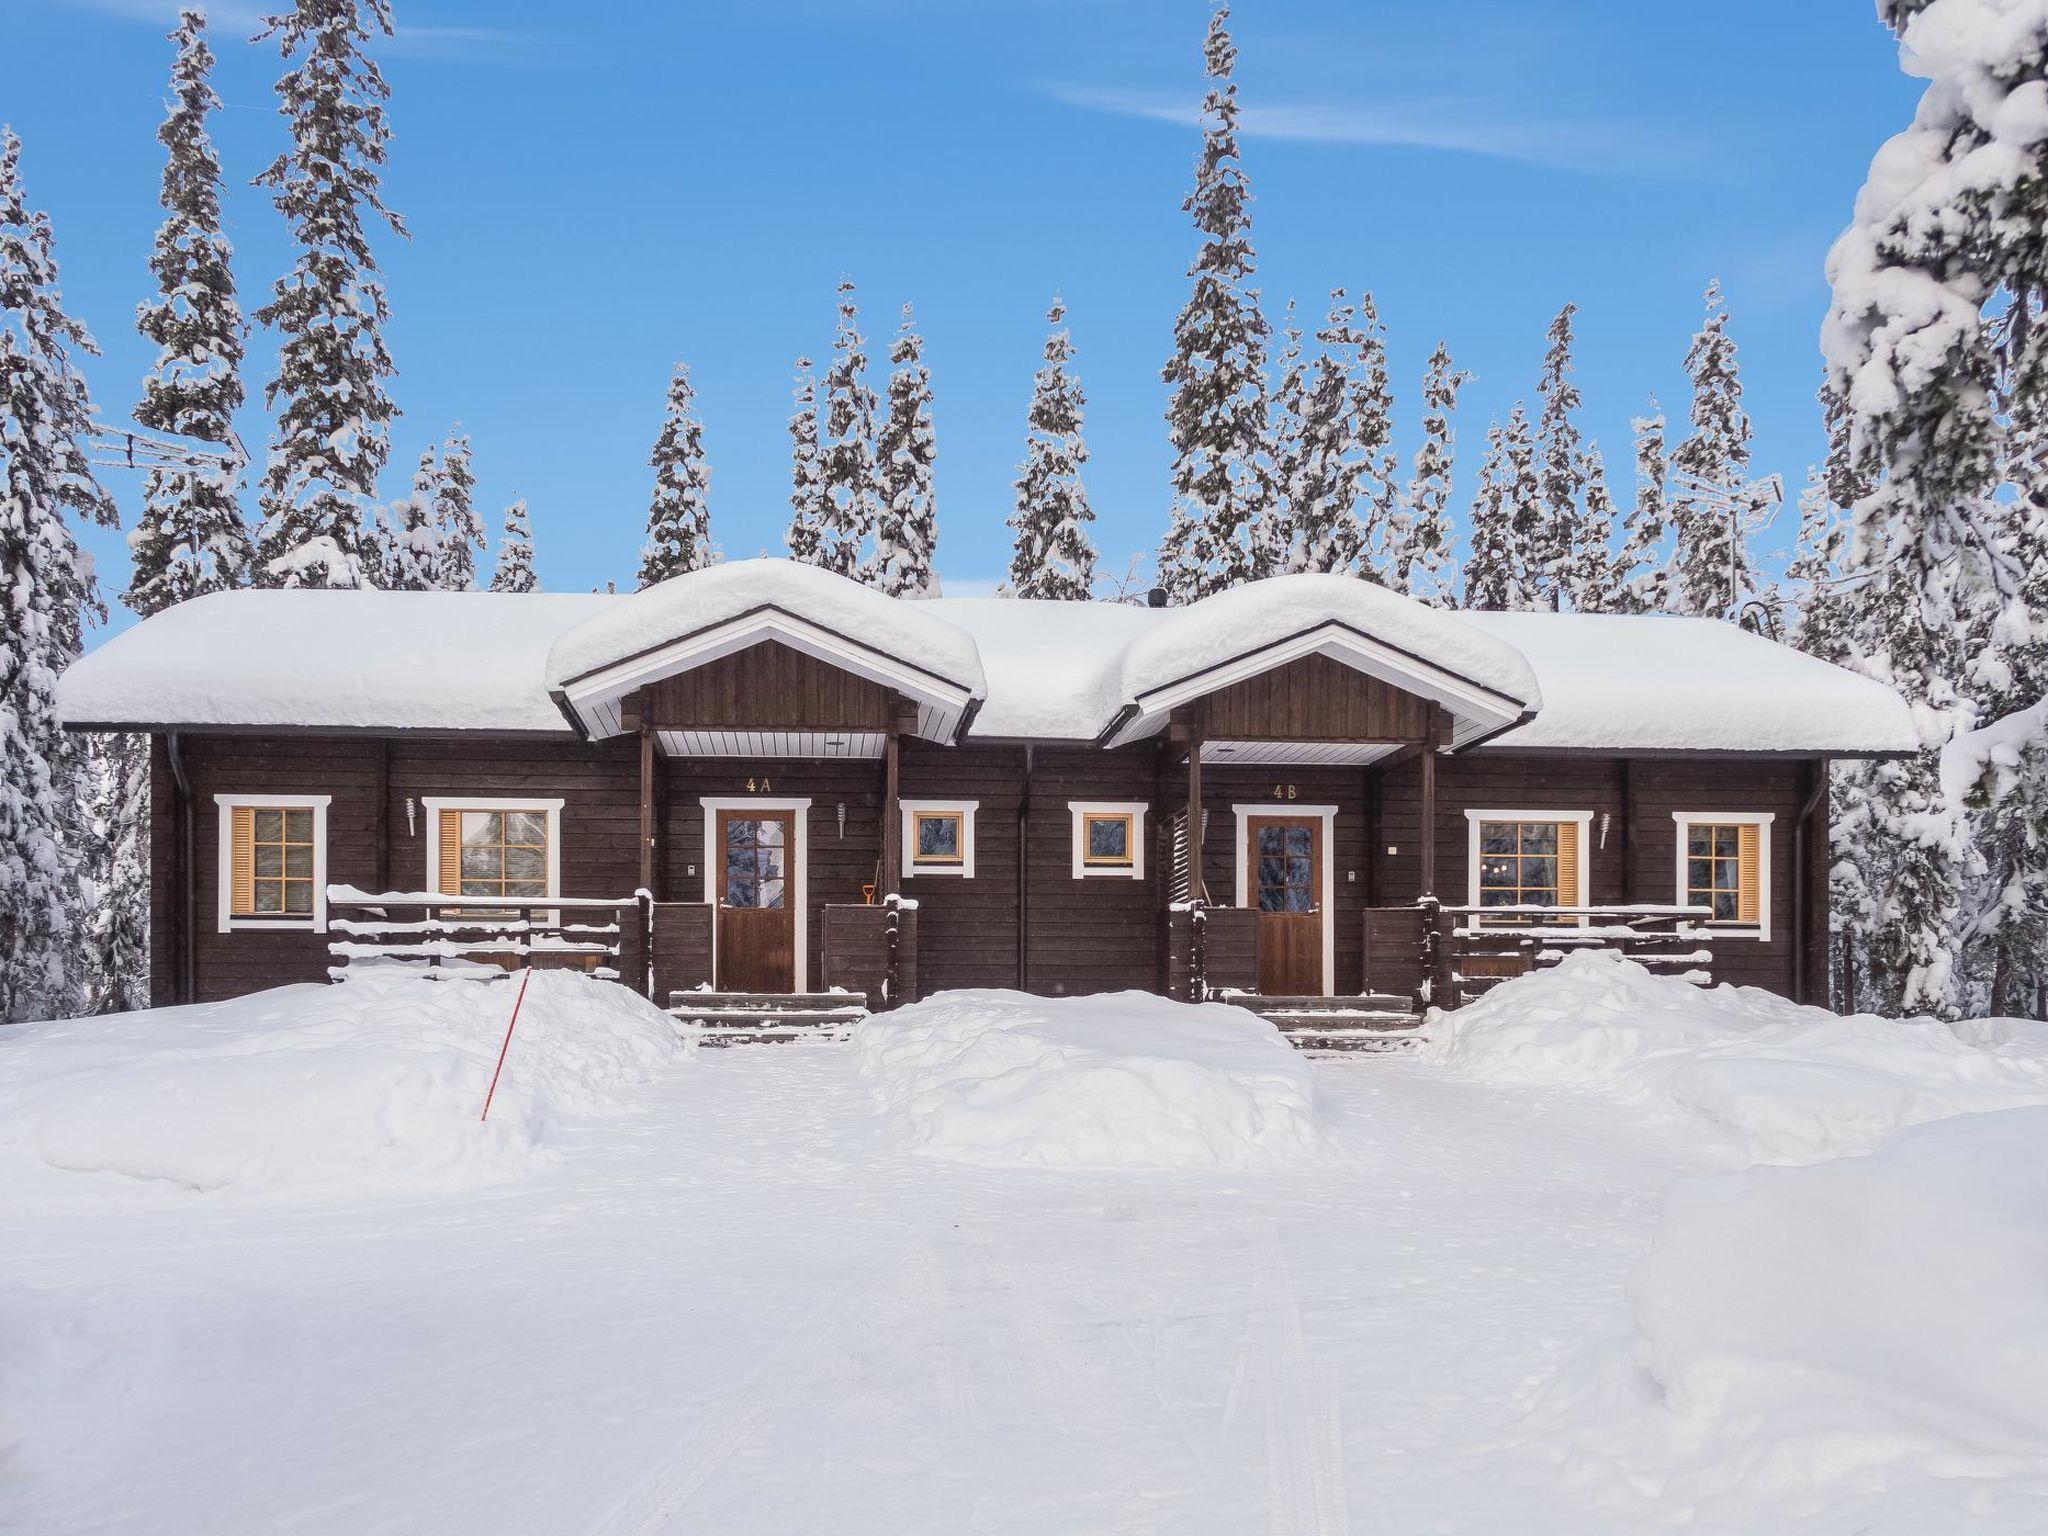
1011, 1266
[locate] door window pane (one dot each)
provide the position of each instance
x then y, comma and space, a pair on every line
756, 862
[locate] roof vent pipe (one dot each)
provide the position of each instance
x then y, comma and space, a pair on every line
1156, 598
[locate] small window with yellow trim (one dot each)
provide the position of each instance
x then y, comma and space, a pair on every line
273, 861
1108, 839
938, 839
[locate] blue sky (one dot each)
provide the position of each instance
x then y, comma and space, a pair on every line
596, 192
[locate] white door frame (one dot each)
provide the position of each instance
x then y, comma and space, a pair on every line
714, 867
1327, 815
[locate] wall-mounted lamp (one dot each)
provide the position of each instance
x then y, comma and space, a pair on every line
1604, 818
411, 825
842, 821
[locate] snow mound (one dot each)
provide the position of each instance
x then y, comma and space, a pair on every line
1869, 1334
1789, 1083
374, 1083
1122, 1080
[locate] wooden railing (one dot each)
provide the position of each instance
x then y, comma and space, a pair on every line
479, 936
1469, 950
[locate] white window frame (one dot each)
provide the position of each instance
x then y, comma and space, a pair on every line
799, 879
434, 805
1583, 897
1326, 899
906, 815
1081, 811
1761, 820
224, 805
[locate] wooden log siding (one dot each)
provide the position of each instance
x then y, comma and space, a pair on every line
856, 953
1230, 944
1086, 935
767, 687
1309, 699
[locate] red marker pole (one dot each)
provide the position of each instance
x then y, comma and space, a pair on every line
524, 977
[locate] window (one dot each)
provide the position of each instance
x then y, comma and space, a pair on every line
1109, 839
273, 861
1724, 864
496, 848
938, 837
1522, 859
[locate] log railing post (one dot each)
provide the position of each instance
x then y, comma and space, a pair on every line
1428, 849
1198, 888
646, 804
1198, 950
892, 813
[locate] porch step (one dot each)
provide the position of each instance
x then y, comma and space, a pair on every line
769, 1018
1371, 1021
1356, 1002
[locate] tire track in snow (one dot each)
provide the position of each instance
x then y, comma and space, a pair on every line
774, 1383
1298, 1400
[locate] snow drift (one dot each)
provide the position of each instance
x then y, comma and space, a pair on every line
370, 1084
1868, 1334
1788, 1083
1123, 1080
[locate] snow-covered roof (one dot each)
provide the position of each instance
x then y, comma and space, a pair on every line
337, 660
1659, 683
1013, 668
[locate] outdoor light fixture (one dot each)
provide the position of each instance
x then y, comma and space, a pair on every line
411, 826
842, 821
1603, 829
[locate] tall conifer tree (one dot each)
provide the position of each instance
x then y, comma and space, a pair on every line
808, 504
1562, 473
1217, 420
1326, 486
47, 593
852, 491
191, 538
1054, 556
334, 412
1587, 582
1490, 580
1381, 533
412, 545
1711, 571
1642, 574
679, 514
513, 571
462, 527
907, 533
1426, 569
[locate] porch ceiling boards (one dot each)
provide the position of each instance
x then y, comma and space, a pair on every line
1303, 753
867, 745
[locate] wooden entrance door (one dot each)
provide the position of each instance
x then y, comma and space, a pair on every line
1284, 882
756, 901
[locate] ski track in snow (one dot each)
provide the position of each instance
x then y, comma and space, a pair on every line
750, 1310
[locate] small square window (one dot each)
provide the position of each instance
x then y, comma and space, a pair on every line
1106, 840
938, 838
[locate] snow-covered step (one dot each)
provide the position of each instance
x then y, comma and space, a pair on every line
762, 1018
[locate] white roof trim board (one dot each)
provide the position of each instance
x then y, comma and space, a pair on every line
985, 668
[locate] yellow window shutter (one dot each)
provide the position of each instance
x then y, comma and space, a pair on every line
1568, 863
451, 853
1749, 875
241, 860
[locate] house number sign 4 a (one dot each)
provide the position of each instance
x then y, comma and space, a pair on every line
759, 786
1283, 791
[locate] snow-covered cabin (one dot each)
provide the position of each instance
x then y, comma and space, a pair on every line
1292, 788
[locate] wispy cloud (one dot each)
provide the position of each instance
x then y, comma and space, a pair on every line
1465, 127
246, 19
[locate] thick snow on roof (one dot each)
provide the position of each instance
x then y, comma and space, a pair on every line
684, 605
1202, 635
393, 660
1051, 666
1660, 683
1053, 671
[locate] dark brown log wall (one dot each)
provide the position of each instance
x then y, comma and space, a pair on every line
769, 686
1310, 699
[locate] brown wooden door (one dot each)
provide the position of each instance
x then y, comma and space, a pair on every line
1284, 861
756, 901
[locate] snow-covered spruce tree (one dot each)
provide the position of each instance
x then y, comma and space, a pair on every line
1507, 520
808, 504
47, 593
1054, 556
852, 505
1711, 571
513, 571
190, 538
462, 527
113, 876
334, 413
1948, 223
1489, 556
1427, 571
1561, 475
1587, 581
1325, 489
1217, 419
1642, 575
907, 532
1274, 541
679, 514
410, 544
1382, 532
1819, 610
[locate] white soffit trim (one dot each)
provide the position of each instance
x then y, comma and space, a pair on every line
1475, 710
595, 697
801, 744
